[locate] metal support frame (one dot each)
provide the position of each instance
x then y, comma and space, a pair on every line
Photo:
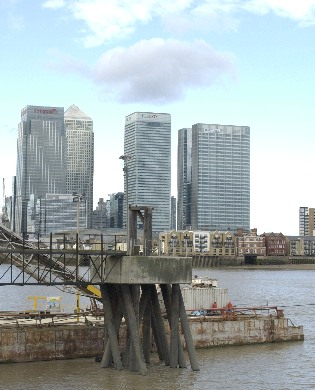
144, 312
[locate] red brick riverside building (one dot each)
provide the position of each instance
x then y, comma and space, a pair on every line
275, 244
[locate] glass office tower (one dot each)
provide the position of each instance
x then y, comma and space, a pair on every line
184, 179
54, 213
41, 157
220, 177
80, 156
147, 152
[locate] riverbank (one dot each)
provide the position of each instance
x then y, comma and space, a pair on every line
270, 266
205, 261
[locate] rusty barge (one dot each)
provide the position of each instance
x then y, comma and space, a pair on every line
37, 337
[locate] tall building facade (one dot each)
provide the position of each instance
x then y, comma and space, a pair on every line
100, 216
306, 221
184, 179
80, 156
54, 213
116, 210
41, 157
147, 152
220, 193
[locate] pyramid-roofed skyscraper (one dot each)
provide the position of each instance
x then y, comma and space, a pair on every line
80, 156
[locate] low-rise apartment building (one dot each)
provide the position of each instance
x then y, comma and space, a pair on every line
275, 244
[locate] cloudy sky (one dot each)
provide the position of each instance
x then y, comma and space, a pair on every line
241, 62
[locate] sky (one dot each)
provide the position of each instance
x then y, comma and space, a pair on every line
237, 62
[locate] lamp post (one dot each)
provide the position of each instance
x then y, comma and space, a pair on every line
125, 159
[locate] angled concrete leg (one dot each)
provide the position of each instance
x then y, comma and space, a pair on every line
156, 335
135, 295
146, 332
160, 325
145, 319
187, 334
107, 356
110, 326
126, 354
133, 328
174, 341
166, 292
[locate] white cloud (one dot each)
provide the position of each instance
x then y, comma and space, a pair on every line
103, 21
159, 71
302, 11
54, 4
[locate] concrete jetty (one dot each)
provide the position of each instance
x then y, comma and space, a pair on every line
130, 292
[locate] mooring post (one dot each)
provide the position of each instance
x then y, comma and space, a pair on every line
187, 334
110, 326
166, 292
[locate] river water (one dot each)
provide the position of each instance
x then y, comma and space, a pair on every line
270, 366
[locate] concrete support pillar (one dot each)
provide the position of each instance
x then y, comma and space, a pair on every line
166, 292
156, 334
107, 356
145, 318
160, 325
135, 296
133, 328
146, 332
187, 334
110, 326
174, 342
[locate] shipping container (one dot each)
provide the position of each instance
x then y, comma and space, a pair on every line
197, 298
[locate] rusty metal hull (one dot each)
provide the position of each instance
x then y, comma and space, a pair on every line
32, 343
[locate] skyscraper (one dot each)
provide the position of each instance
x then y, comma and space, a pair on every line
184, 179
80, 156
147, 152
41, 157
220, 187
116, 210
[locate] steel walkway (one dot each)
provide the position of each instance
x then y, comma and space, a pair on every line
25, 262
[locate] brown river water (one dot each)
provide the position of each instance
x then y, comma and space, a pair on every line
269, 366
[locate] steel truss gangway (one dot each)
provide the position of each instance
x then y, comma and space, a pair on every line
25, 262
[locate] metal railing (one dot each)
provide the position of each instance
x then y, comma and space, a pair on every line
56, 261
